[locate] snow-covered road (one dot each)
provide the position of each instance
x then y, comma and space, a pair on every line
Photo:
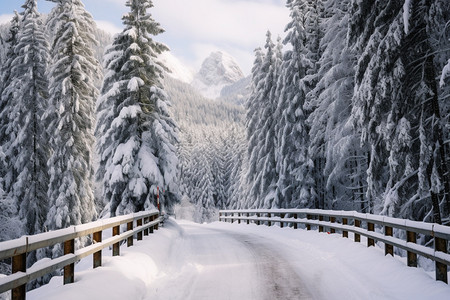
208, 263
183, 261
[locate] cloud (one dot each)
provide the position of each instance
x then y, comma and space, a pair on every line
235, 26
243, 57
238, 22
108, 26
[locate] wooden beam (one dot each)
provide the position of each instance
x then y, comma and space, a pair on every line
19, 264
69, 270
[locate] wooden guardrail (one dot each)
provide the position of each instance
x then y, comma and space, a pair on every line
138, 224
374, 227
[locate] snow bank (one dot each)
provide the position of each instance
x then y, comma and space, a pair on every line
121, 277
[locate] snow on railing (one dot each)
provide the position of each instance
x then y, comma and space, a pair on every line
341, 220
17, 249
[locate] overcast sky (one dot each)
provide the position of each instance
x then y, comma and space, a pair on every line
194, 28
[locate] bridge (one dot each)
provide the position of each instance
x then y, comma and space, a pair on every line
236, 261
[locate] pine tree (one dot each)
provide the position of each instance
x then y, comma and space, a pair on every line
29, 147
135, 132
261, 128
70, 115
7, 88
397, 109
253, 111
333, 140
295, 183
421, 89
237, 162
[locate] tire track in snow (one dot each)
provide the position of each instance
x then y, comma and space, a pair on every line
275, 273
208, 263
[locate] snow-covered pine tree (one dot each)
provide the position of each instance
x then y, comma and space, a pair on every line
203, 183
237, 162
70, 116
252, 119
29, 145
312, 13
397, 109
261, 128
333, 139
7, 175
295, 183
376, 85
218, 158
423, 110
135, 133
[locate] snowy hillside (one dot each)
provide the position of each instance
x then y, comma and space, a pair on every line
217, 71
237, 92
177, 69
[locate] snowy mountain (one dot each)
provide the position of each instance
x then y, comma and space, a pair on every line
218, 70
177, 69
237, 92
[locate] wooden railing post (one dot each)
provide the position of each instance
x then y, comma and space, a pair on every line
370, 241
239, 218
344, 232
308, 226
139, 234
19, 264
388, 249
441, 269
357, 235
268, 222
69, 270
152, 218
412, 257
97, 262
258, 222
295, 224
281, 220
332, 220
320, 226
220, 216
146, 229
157, 224
248, 216
130, 239
116, 246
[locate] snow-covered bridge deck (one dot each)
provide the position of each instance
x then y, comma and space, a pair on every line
231, 261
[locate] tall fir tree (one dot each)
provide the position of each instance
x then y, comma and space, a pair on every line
261, 128
7, 88
70, 116
253, 111
397, 109
333, 140
293, 164
30, 144
135, 132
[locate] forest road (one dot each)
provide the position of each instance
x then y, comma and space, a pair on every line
207, 263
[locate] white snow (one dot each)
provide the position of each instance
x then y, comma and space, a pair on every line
177, 69
135, 83
406, 15
236, 261
445, 74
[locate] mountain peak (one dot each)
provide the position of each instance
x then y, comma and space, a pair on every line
217, 71
219, 68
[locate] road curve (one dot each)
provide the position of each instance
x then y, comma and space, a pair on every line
218, 264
